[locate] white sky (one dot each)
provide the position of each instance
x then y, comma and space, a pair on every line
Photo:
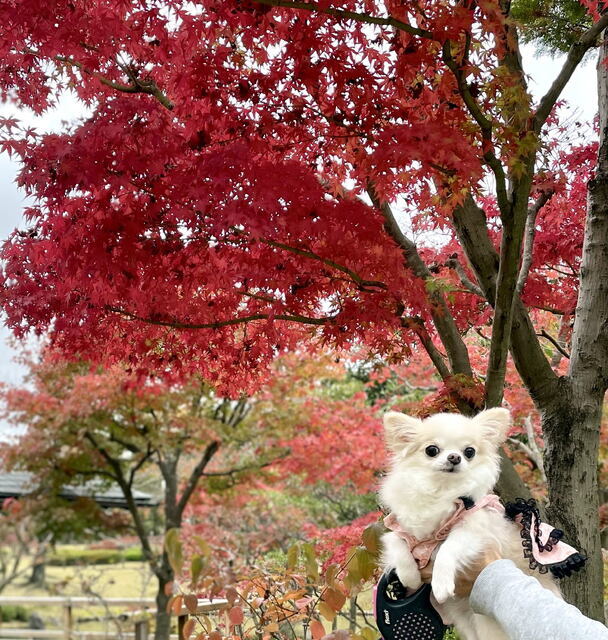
580, 94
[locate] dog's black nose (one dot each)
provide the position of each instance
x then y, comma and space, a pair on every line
454, 458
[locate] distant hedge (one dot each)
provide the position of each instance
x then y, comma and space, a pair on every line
70, 557
10, 613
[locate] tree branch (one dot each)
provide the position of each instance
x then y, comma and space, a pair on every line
250, 467
532, 450
440, 312
218, 324
529, 233
197, 472
349, 15
467, 283
139, 86
149, 453
417, 325
131, 505
484, 123
554, 342
575, 55
534, 368
363, 284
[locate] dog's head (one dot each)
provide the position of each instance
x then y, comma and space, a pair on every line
449, 451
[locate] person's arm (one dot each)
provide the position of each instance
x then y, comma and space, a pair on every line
526, 610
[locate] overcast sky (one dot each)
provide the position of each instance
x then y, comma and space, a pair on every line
580, 94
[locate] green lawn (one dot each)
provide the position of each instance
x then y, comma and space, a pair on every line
123, 580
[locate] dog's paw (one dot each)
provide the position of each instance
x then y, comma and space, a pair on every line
409, 577
443, 588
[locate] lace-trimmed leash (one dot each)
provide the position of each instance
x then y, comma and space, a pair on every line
542, 544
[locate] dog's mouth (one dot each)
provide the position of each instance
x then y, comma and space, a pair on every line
450, 469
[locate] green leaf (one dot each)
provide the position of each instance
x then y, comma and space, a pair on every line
173, 546
310, 561
203, 547
292, 557
353, 575
366, 563
371, 537
196, 567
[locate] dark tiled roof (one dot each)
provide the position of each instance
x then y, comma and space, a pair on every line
20, 483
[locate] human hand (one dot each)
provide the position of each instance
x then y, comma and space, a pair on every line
466, 579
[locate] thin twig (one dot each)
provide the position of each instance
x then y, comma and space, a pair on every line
467, 283
554, 342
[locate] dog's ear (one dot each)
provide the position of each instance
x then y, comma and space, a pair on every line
399, 430
494, 424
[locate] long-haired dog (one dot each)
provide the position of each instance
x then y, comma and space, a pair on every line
437, 464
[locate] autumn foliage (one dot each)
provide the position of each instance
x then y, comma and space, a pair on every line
259, 177
204, 190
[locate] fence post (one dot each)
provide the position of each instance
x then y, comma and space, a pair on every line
181, 622
142, 629
68, 620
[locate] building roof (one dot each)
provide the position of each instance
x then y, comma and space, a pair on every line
16, 484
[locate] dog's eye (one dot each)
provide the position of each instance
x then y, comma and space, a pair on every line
469, 452
431, 451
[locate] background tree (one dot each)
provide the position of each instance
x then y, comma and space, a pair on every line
85, 426
20, 548
205, 194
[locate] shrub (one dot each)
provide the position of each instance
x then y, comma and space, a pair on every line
10, 613
69, 557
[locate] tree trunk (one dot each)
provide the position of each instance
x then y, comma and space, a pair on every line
572, 425
168, 468
571, 454
38, 576
162, 630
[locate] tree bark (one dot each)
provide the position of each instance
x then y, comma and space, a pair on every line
572, 426
572, 438
38, 576
164, 576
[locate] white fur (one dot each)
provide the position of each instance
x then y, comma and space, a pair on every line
421, 491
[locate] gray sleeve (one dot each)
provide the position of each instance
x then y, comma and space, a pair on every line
527, 611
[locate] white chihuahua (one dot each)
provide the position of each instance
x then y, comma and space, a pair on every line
436, 463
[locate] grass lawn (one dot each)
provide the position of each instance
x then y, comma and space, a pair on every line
122, 580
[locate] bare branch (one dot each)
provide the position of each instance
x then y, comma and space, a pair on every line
565, 327
149, 453
484, 123
440, 312
532, 450
251, 467
196, 474
140, 528
554, 342
529, 233
467, 283
574, 57
471, 227
417, 325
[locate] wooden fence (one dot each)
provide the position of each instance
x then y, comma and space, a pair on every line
140, 610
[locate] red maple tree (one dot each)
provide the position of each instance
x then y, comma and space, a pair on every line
198, 219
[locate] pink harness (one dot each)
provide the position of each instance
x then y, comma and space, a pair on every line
542, 544
422, 550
